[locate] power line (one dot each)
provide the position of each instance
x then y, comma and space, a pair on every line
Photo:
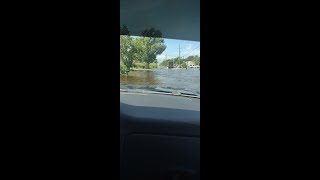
179, 51
191, 51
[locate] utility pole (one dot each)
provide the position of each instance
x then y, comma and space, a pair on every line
178, 64
179, 51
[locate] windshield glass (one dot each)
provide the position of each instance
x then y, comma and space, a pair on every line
159, 64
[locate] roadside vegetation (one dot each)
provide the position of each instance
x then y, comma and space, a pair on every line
181, 62
139, 53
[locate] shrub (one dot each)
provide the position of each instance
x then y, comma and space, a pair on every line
139, 65
184, 65
153, 65
123, 68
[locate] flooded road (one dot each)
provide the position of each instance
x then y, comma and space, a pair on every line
184, 79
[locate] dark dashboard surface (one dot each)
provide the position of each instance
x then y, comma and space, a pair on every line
159, 114
159, 135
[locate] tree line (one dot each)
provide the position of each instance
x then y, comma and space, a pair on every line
181, 62
140, 52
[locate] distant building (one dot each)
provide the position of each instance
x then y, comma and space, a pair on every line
190, 63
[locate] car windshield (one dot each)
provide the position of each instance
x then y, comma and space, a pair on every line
160, 64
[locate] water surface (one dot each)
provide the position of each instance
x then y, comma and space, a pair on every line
184, 79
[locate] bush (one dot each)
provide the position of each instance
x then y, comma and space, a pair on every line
123, 68
184, 65
153, 65
139, 65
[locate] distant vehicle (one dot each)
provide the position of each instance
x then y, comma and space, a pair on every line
170, 64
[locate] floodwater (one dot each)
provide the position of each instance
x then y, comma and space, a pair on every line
183, 79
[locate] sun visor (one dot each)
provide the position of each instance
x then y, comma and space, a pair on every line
176, 19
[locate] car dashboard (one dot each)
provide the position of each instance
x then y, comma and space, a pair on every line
159, 136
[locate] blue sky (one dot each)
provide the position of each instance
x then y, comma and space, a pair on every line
188, 48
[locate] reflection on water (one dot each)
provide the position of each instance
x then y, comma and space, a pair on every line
186, 79
143, 78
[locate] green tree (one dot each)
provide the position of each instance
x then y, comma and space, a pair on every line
127, 51
122, 68
152, 45
142, 50
148, 48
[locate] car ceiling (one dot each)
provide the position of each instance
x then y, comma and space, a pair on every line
176, 19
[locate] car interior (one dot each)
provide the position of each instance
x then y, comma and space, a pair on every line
160, 132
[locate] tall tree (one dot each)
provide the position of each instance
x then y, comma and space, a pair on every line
127, 51
149, 48
154, 45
